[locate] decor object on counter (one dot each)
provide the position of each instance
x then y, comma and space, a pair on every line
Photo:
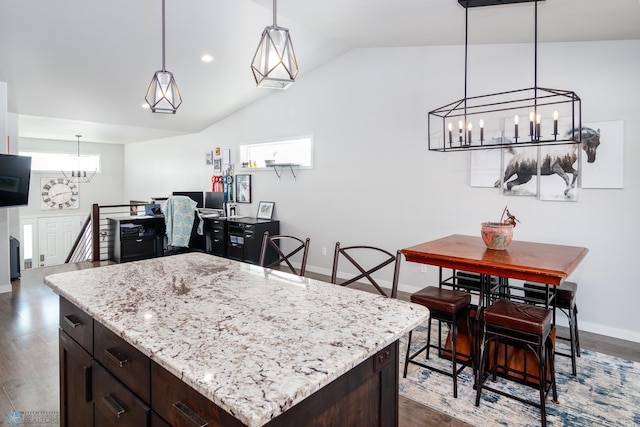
243, 188
274, 64
78, 175
163, 95
554, 114
498, 235
265, 210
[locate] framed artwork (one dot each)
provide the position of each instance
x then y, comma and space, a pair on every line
265, 210
217, 165
243, 188
602, 155
208, 156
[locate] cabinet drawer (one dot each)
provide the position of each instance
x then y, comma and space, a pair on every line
77, 324
114, 404
181, 405
121, 359
133, 249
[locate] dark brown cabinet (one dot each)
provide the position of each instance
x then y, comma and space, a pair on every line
76, 402
135, 238
110, 383
244, 238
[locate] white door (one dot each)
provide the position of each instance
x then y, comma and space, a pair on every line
56, 236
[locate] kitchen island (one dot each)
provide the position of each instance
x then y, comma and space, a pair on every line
207, 339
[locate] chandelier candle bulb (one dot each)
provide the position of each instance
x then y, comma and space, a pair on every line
516, 119
538, 126
469, 138
555, 123
450, 136
460, 126
531, 134
481, 131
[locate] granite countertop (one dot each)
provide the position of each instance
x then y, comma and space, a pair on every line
252, 340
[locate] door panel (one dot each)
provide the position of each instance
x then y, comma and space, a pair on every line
56, 236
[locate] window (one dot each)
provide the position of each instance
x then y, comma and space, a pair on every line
47, 162
298, 151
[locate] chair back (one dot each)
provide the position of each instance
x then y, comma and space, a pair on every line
277, 243
357, 256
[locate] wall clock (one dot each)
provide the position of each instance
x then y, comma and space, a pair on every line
58, 193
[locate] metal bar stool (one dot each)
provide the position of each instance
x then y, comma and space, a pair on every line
445, 306
566, 302
510, 323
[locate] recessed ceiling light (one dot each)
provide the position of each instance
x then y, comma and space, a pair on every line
207, 58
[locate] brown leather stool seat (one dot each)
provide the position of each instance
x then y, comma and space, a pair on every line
447, 306
439, 299
521, 325
566, 302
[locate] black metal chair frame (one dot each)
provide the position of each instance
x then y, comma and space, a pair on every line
541, 345
452, 320
535, 294
347, 252
273, 242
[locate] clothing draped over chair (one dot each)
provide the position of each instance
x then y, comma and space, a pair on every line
179, 215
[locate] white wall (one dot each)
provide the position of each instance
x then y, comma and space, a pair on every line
106, 187
376, 183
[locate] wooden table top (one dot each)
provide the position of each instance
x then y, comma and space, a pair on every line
536, 262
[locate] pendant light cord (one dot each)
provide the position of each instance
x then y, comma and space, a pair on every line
274, 13
163, 63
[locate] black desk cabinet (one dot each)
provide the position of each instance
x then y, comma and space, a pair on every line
136, 238
240, 238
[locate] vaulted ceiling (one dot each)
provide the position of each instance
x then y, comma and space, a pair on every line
78, 66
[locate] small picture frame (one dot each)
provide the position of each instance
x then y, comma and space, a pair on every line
265, 210
243, 188
231, 210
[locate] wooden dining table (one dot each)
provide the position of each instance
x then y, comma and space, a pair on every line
543, 263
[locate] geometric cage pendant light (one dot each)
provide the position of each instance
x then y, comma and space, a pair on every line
163, 95
533, 116
78, 175
274, 64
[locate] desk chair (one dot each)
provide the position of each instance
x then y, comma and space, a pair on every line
274, 243
376, 259
565, 302
183, 224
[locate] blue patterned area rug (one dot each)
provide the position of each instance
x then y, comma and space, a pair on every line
606, 392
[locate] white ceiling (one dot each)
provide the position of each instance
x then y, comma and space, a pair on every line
83, 67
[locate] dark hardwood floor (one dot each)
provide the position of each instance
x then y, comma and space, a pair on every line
29, 351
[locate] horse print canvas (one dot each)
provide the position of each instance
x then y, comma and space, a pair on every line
559, 175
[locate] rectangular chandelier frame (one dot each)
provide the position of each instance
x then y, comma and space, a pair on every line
534, 116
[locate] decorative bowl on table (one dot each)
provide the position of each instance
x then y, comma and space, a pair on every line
496, 235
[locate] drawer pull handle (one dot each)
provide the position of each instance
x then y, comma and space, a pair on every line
70, 319
87, 384
189, 414
113, 404
116, 356
138, 240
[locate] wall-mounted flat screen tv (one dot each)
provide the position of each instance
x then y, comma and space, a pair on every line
15, 176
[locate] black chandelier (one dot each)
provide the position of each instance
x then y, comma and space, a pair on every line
553, 115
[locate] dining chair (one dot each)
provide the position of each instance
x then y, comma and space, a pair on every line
367, 260
277, 243
510, 325
566, 303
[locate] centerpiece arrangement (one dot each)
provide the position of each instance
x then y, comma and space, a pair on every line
498, 235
